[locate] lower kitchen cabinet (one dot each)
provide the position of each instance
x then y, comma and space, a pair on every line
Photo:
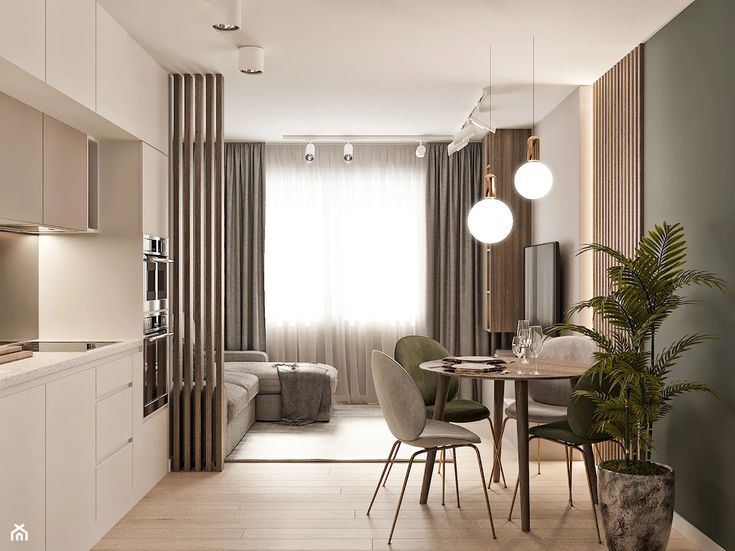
23, 469
114, 488
70, 462
78, 454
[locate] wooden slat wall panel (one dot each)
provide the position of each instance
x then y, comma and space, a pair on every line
197, 196
618, 171
505, 151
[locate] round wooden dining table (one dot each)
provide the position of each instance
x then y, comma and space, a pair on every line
548, 370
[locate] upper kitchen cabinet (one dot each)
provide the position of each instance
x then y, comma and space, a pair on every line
70, 48
64, 176
23, 35
154, 165
132, 89
21, 159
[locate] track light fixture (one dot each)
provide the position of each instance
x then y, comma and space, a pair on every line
347, 153
226, 15
310, 152
421, 150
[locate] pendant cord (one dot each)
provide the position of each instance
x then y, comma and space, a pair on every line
533, 83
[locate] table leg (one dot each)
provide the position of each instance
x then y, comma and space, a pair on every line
498, 396
522, 429
442, 393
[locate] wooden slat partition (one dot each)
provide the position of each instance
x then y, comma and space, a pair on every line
505, 151
197, 248
618, 171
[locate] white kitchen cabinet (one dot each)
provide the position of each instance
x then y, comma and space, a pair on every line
23, 35
114, 423
21, 159
132, 89
114, 489
155, 191
22, 467
65, 184
70, 48
70, 462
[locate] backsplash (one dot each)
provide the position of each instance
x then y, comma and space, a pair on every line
18, 287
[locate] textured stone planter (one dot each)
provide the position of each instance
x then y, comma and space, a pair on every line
637, 510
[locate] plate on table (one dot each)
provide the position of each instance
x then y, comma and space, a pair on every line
480, 360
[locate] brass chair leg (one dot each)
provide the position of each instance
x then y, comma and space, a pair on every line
444, 477
498, 448
538, 455
568, 452
393, 449
515, 494
592, 497
484, 489
456, 479
403, 491
393, 460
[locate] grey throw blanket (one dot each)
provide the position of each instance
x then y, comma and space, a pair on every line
305, 391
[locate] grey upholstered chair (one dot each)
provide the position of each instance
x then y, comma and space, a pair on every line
547, 400
405, 413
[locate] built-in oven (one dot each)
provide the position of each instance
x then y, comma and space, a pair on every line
155, 273
156, 337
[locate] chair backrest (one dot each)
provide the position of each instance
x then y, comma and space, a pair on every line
581, 410
412, 351
566, 349
399, 398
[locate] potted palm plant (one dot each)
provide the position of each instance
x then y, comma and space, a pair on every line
636, 494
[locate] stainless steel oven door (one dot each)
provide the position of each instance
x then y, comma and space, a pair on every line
155, 371
155, 287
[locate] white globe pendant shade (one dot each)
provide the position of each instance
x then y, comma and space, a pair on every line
490, 220
533, 179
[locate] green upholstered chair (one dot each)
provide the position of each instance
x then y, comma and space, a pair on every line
576, 432
412, 351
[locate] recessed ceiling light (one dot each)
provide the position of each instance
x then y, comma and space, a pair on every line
226, 15
252, 59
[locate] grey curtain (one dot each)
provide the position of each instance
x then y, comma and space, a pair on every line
454, 257
244, 246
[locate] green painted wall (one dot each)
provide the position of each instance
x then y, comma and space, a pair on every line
689, 177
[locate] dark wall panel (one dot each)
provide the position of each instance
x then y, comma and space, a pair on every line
689, 123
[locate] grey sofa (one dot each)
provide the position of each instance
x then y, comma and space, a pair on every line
254, 392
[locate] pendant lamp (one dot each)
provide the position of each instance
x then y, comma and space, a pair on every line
490, 220
533, 179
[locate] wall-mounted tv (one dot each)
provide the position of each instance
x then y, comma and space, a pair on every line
543, 284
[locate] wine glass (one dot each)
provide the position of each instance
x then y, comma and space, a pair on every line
524, 333
536, 345
519, 349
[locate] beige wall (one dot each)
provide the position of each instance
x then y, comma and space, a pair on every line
18, 287
564, 215
91, 286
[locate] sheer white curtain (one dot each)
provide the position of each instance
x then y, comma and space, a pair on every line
345, 257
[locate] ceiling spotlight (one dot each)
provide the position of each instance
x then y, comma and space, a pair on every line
310, 152
457, 146
467, 132
421, 150
481, 125
252, 59
347, 153
226, 15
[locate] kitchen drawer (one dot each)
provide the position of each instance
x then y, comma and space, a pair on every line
114, 375
114, 422
114, 488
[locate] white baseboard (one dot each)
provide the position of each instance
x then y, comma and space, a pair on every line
694, 535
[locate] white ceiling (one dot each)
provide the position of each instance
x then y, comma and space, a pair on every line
392, 66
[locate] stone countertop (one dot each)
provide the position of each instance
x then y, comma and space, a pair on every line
42, 364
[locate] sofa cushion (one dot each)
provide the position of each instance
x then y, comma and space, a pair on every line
267, 374
241, 388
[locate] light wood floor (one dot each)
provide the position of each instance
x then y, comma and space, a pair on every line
274, 506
